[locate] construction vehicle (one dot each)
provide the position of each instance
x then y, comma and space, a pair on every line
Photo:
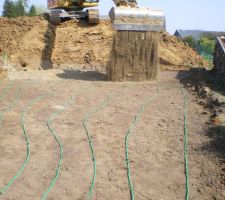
60, 10
126, 15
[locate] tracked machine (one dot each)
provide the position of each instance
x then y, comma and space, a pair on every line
61, 10
134, 53
125, 16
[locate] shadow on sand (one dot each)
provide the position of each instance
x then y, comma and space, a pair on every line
49, 40
83, 75
216, 145
197, 76
216, 133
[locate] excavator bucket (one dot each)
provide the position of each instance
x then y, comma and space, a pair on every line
137, 19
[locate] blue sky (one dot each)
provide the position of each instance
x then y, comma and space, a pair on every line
180, 14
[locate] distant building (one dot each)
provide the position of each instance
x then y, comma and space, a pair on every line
219, 58
197, 34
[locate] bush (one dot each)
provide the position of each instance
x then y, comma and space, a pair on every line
32, 11
191, 41
205, 46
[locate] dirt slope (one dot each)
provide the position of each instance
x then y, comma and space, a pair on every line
33, 42
176, 54
23, 39
79, 43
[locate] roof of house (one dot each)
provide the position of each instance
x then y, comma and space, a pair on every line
197, 34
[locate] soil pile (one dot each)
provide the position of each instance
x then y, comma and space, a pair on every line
78, 43
177, 55
32, 42
23, 39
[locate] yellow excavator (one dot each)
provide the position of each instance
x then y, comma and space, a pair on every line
125, 16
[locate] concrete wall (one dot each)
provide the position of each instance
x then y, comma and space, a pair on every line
219, 58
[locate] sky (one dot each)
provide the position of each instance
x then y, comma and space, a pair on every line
180, 14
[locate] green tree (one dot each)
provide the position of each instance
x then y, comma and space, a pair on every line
206, 48
191, 41
40, 9
9, 9
20, 8
207, 45
32, 11
14, 8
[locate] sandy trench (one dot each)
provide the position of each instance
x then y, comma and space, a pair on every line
155, 146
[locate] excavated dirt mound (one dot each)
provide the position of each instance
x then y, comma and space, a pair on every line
177, 55
35, 43
78, 43
23, 39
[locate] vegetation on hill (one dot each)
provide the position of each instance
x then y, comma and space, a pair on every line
18, 8
204, 46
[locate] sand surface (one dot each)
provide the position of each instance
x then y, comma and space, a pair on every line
155, 146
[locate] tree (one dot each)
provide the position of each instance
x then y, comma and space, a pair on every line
40, 9
32, 11
191, 41
9, 9
24, 2
14, 8
20, 8
207, 45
